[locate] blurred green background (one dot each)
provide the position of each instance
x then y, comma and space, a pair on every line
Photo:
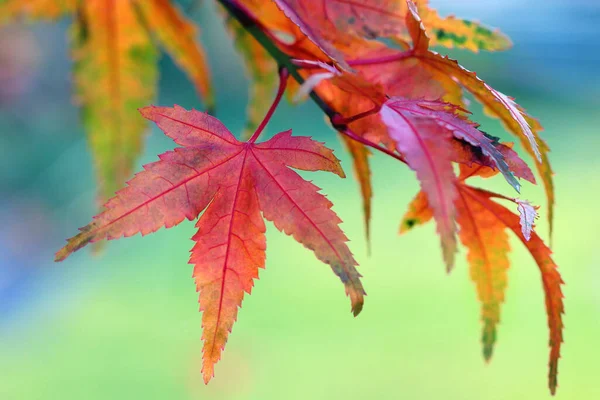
126, 324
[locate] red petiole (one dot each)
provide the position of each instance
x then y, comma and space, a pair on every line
283, 78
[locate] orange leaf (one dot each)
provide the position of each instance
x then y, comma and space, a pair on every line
482, 231
551, 278
232, 182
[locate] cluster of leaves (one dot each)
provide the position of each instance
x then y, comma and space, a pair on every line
370, 67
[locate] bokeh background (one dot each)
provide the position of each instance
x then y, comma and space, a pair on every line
126, 324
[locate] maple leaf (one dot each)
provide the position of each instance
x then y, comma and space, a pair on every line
495, 103
427, 151
483, 223
115, 69
115, 74
360, 161
232, 182
386, 19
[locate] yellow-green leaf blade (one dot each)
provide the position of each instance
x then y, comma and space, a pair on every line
487, 242
115, 74
461, 33
177, 35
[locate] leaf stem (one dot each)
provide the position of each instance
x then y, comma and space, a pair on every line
347, 132
340, 120
306, 65
381, 60
283, 78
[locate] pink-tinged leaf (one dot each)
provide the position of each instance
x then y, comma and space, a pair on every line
516, 163
427, 150
476, 164
178, 186
484, 92
445, 115
528, 214
234, 182
190, 128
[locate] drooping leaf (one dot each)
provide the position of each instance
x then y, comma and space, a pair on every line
115, 74
426, 149
360, 157
482, 224
232, 182
481, 165
261, 70
500, 106
487, 243
447, 117
177, 36
551, 278
467, 78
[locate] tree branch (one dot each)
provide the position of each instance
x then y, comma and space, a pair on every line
254, 27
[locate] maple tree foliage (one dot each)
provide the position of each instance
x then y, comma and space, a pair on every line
369, 65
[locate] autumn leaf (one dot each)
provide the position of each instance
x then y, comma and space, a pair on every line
426, 149
483, 225
115, 74
386, 19
460, 33
495, 104
232, 182
360, 156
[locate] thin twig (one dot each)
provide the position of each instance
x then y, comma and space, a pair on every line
347, 132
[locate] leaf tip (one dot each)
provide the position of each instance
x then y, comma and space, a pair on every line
148, 111
207, 375
357, 308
